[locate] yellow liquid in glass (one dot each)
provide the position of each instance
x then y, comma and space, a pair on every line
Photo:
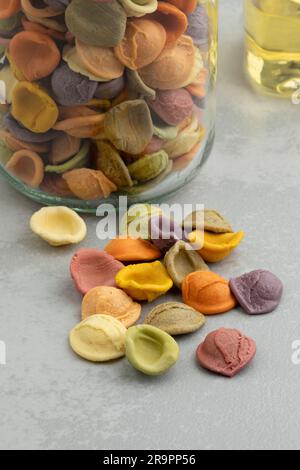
273, 45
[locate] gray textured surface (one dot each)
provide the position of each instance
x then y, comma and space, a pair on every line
50, 399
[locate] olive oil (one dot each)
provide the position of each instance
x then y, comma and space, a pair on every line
273, 45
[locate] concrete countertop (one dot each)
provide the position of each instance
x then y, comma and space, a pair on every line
50, 399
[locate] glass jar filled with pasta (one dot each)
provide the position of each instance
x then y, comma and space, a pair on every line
101, 98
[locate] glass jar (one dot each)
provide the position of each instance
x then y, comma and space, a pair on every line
105, 98
273, 46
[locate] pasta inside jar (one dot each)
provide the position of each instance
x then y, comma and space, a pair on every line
107, 97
